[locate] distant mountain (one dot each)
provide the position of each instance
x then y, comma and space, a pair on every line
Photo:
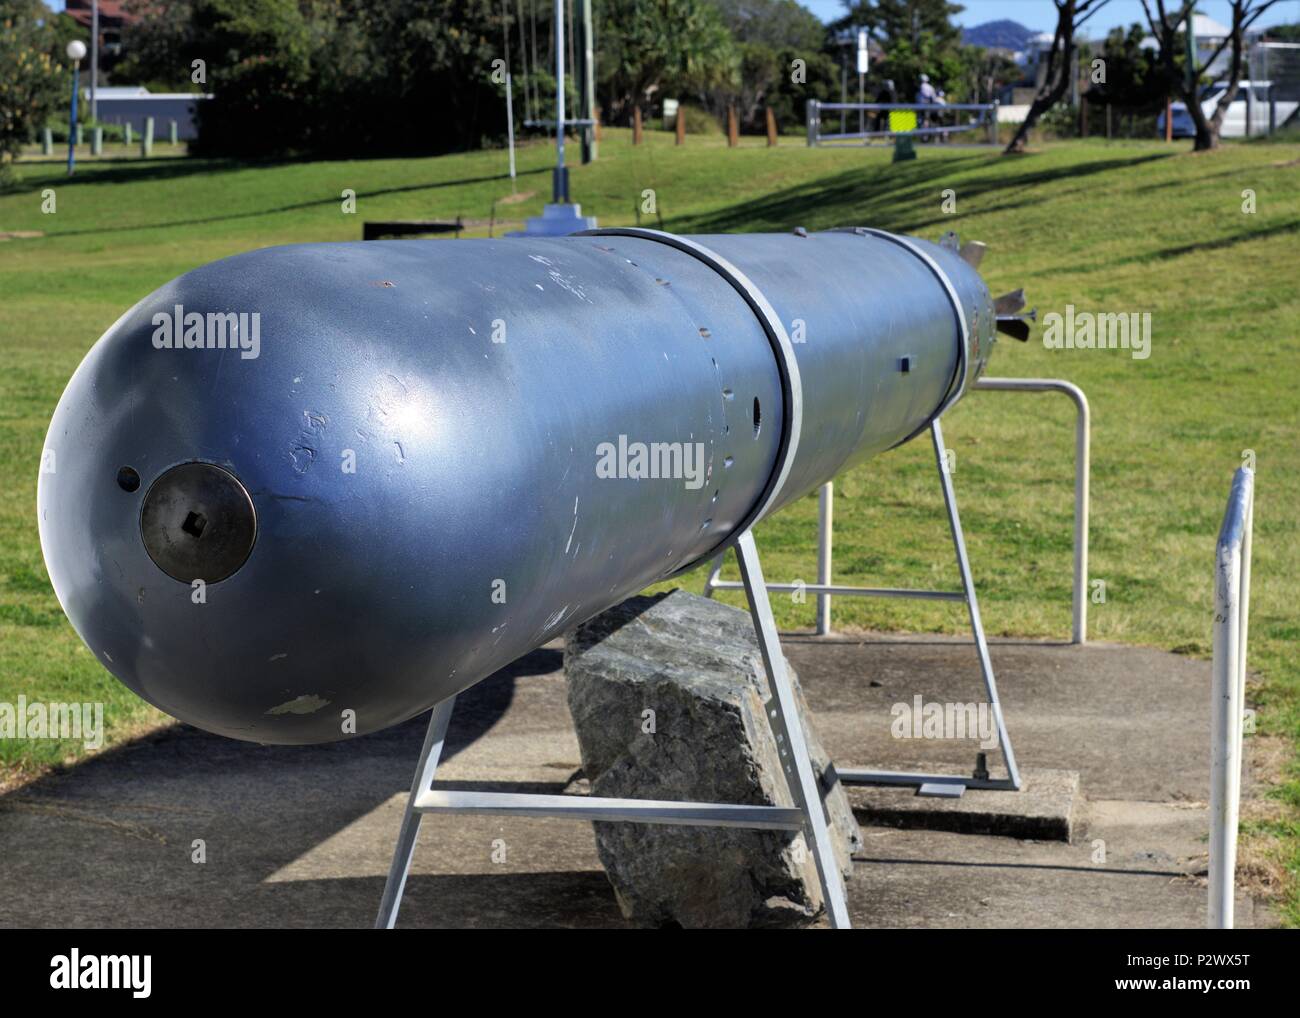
1003, 34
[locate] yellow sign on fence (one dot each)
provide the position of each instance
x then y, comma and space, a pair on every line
902, 121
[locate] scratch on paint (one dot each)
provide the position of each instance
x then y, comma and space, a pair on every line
305, 704
575, 525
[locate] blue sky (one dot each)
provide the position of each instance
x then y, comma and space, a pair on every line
1041, 14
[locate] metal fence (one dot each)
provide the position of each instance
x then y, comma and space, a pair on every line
1231, 615
886, 121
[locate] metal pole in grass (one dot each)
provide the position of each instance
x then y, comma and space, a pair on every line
510, 127
76, 51
560, 182
1231, 615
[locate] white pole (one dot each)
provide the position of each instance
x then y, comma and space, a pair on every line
94, 59
1225, 710
862, 70
825, 507
1082, 473
510, 126
559, 99
1231, 603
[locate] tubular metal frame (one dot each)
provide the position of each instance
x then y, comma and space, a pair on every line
806, 816
854, 776
825, 589
814, 108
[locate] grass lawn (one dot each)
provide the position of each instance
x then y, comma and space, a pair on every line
1128, 226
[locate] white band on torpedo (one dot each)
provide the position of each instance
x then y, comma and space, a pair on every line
782, 349
954, 393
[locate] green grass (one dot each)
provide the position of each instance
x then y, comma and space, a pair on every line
1131, 226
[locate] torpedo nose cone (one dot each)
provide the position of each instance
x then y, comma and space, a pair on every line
198, 522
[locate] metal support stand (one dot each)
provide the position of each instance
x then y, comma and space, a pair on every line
929, 784
807, 815
1082, 469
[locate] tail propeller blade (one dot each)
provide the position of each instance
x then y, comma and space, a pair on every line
1007, 308
1009, 303
1016, 326
972, 253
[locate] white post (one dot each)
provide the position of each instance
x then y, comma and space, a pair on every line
559, 96
862, 72
825, 513
1231, 605
510, 126
94, 60
1082, 472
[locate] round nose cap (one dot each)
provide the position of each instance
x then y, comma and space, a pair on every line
198, 523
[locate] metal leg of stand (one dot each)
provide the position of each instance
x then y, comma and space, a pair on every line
424, 771
783, 716
825, 529
715, 571
972, 604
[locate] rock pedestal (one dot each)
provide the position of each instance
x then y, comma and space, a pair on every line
667, 694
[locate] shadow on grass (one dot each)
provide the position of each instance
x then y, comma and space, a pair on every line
884, 198
256, 213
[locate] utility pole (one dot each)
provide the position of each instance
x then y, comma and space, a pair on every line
560, 179
589, 152
862, 75
560, 217
94, 59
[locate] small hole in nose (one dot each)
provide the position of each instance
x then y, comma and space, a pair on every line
128, 479
194, 524
758, 417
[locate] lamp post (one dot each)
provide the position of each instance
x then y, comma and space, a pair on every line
862, 76
560, 178
94, 60
76, 51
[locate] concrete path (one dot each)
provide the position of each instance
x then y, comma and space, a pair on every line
302, 836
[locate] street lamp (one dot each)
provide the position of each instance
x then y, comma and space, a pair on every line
76, 51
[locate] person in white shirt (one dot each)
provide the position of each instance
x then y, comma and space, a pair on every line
925, 94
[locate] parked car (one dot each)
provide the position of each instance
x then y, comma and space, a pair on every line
1234, 121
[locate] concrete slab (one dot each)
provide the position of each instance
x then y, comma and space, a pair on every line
302, 836
1134, 722
1042, 809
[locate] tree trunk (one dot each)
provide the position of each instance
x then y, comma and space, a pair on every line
1054, 84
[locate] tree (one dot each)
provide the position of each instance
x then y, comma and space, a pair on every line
905, 20
983, 72
1134, 77
919, 37
158, 44
34, 76
1070, 16
783, 61
1165, 28
666, 46
1284, 33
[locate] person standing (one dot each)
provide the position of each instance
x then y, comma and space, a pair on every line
887, 94
925, 94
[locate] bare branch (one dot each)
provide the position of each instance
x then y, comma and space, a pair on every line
1079, 21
